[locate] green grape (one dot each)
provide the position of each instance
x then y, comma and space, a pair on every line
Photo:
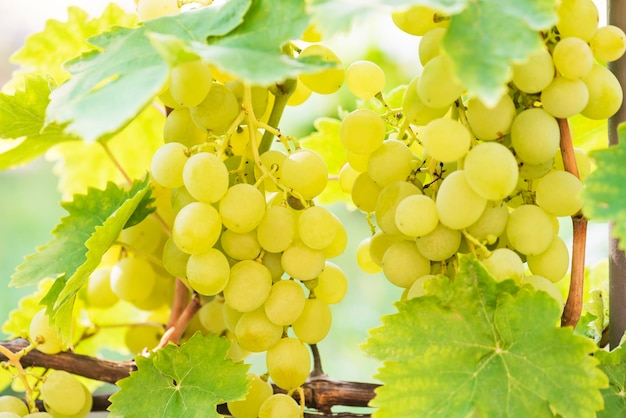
552, 263
161, 294
565, 98
314, 322
440, 244
166, 99
285, 302
301, 262
417, 289
196, 228
438, 85
446, 139
364, 258
272, 160
326, 81
238, 140
84, 411
243, 246
151, 9
231, 316
259, 390
208, 272
277, 229
529, 230
535, 171
180, 197
534, 74
608, 44
211, 315
388, 201
417, 20
4, 414
132, 279
491, 224
13, 404
175, 260
577, 18
179, 127
205, 177
41, 329
379, 244
288, 363
490, 170
305, 172
416, 215
540, 283
317, 227
147, 236
332, 284
339, 243
347, 177
504, 264
167, 164
455, 192
217, 111
256, 333
280, 405
582, 162
249, 285
488, 123
300, 95
258, 96
572, 58
365, 193
99, 293
273, 262
365, 79
605, 93
403, 264
430, 44
392, 161
414, 109
142, 337
63, 393
190, 82
535, 135
242, 208
558, 193
362, 131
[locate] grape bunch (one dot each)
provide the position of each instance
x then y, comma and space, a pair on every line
447, 174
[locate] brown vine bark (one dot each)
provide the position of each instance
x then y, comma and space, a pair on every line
320, 392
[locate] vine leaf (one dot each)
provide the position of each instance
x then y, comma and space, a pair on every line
46, 51
251, 51
186, 381
613, 364
473, 344
22, 117
603, 197
93, 224
122, 79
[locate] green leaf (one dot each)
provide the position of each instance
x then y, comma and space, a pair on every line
186, 381
94, 223
122, 79
46, 51
22, 117
484, 38
18, 322
613, 364
603, 196
475, 344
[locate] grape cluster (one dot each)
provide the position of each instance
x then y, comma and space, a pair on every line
447, 174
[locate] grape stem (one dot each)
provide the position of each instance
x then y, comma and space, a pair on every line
573, 306
175, 332
14, 360
181, 295
280, 102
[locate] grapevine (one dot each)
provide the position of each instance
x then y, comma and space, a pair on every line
198, 234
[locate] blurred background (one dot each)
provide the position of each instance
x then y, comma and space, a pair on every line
29, 200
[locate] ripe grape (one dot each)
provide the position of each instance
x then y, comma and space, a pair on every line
300, 95
285, 302
535, 135
490, 170
504, 264
244, 246
605, 93
392, 161
558, 193
314, 322
362, 131
380, 243
196, 228
388, 200
279, 405
13, 404
301, 262
190, 82
489, 123
416, 215
608, 44
208, 272
99, 293
339, 243
175, 260
217, 111
438, 85
430, 44
256, 333
491, 224
211, 315
572, 58
273, 263
446, 139
534, 74
455, 192
414, 108
565, 98
332, 284
365, 79
142, 337
317, 227
529, 230
168, 163
249, 285
272, 160
417, 20
403, 264
179, 127
205, 177
540, 283
364, 258
440, 244
582, 162
288, 363
347, 177
132, 279
305, 172
277, 229
552, 263
577, 18
151, 9
418, 289
326, 81
41, 329
242, 208
63, 393
365, 193
146, 236
259, 391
